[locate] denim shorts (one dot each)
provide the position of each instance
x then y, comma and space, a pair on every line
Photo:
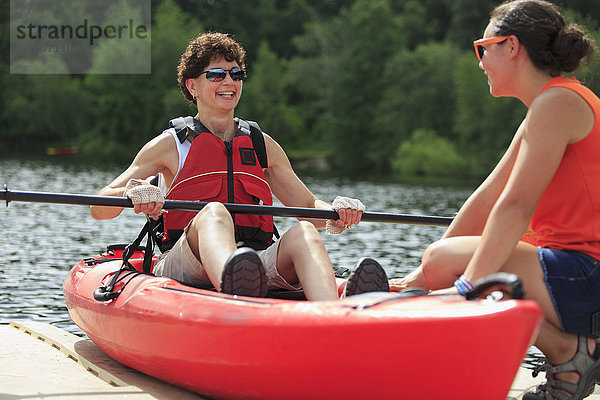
573, 281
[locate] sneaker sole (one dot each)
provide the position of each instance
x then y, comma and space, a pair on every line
369, 276
244, 275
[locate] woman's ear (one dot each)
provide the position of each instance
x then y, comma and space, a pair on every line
190, 84
515, 46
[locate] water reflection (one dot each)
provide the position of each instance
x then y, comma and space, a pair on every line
42, 241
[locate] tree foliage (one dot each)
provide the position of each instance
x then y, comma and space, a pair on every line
427, 154
372, 85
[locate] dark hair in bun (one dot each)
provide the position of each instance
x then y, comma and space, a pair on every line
551, 44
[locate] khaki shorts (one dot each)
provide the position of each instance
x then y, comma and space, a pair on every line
181, 264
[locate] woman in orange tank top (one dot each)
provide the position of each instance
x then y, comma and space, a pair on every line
548, 182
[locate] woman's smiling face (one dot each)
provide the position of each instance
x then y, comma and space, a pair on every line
222, 95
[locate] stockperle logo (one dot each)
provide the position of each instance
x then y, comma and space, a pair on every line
80, 37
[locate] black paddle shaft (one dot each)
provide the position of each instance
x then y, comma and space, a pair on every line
89, 200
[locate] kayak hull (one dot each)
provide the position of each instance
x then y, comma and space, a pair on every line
370, 346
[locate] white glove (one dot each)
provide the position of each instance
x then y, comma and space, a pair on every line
140, 191
339, 203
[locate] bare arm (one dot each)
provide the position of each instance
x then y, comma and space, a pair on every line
292, 192
555, 119
158, 155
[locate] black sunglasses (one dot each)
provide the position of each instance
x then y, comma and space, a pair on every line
219, 74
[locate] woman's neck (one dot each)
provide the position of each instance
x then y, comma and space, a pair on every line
222, 126
532, 82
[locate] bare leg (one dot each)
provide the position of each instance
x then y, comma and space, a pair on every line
442, 263
212, 240
558, 346
446, 260
302, 258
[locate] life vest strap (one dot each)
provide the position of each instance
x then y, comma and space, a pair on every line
258, 140
187, 127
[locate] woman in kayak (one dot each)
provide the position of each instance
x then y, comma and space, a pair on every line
217, 158
547, 183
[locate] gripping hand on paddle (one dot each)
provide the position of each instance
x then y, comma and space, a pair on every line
350, 212
146, 198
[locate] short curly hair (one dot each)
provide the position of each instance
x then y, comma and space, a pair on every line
201, 51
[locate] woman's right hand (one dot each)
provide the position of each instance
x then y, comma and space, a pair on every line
146, 198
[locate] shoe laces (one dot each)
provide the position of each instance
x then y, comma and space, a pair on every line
542, 366
545, 390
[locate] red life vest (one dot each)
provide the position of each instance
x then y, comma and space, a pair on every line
227, 172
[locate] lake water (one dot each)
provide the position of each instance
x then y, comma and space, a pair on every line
43, 241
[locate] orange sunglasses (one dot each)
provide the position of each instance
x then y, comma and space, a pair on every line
478, 44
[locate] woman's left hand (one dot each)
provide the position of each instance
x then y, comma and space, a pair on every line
350, 212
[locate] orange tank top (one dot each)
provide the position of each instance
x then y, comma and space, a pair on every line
568, 214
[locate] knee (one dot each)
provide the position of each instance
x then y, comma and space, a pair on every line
307, 231
214, 212
430, 254
304, 234
430, 261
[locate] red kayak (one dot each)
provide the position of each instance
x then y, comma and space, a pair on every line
372, 346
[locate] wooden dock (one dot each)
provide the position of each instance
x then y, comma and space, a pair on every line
41, 361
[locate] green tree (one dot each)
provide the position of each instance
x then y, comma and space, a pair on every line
586, 8
468, 20
43, 109
423, 20
265, 99
38, 109
484, 125
311, 80
427, 154
419, 94
366, 34
129, 109
351, 79
254, 21
589, 72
